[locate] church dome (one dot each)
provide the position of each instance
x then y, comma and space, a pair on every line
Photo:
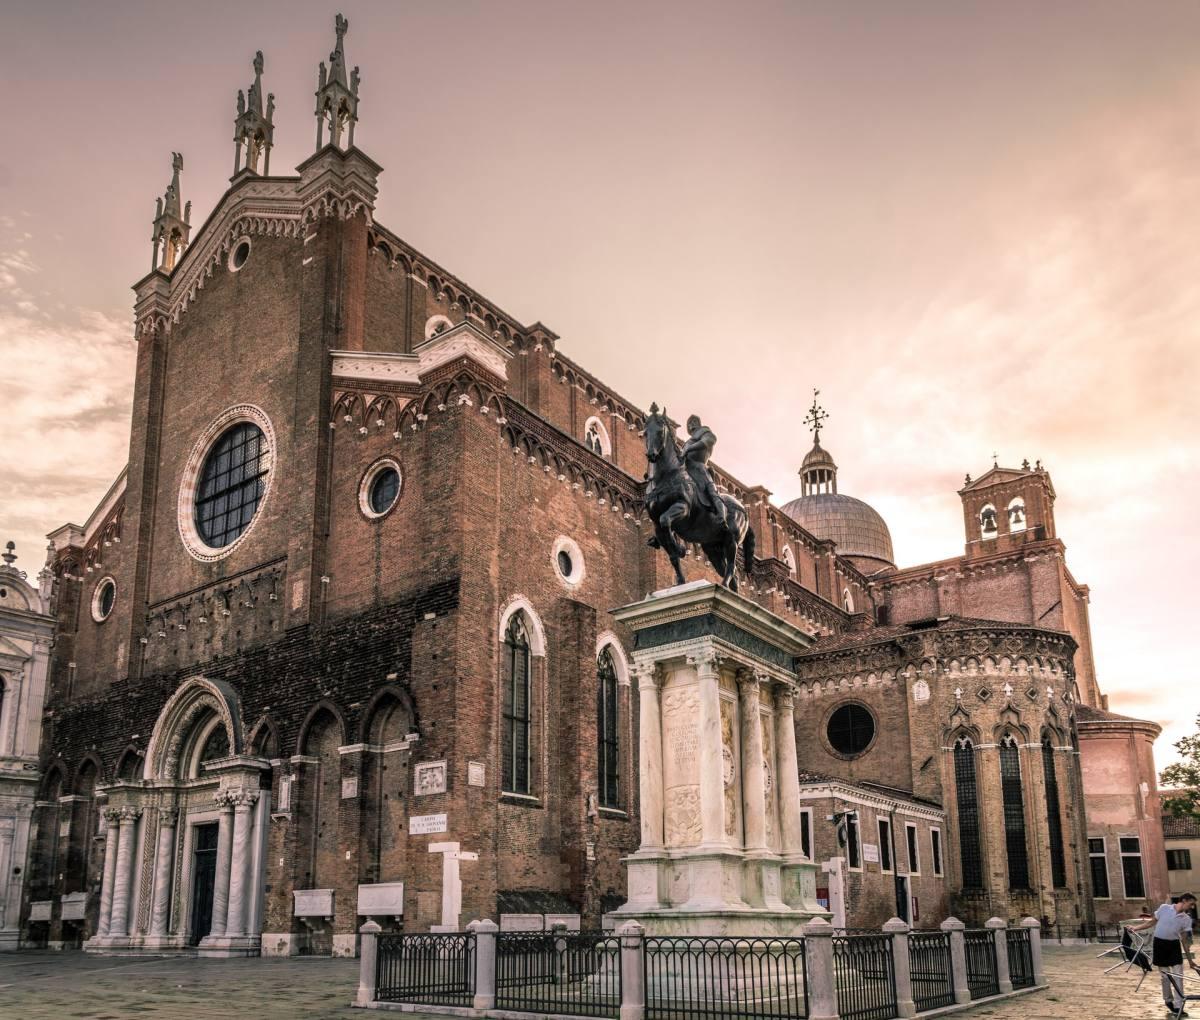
860, 533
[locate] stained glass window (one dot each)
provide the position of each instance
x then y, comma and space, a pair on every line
231, 484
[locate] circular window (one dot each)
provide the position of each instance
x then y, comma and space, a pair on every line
851, 729
241, 252
103, 599
380, 489
225, 481
568, 561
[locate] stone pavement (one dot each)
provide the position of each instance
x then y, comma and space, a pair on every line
75, 986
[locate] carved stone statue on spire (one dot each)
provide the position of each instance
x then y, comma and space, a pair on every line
337, 95
254, 130
172, 223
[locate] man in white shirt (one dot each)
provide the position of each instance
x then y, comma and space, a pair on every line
1172, 923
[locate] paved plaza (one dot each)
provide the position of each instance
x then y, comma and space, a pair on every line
74, 986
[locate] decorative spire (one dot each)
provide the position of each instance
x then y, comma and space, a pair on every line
171, 226
254, 130
818, 473
337, 96
817, 415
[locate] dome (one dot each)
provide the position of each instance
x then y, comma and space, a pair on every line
818, 457
859, 531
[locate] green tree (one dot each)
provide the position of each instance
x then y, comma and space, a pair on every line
1183, 777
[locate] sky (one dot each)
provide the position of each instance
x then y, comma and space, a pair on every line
971, 225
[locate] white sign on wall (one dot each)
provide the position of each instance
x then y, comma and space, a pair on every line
871, 853
476, 773
424, 825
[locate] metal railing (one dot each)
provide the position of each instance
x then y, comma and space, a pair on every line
864, 976
980, 945
1020, 957
572, 972
438, 969
931, 970
701, 977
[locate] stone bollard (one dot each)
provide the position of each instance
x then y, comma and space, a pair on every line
958, 958
485, 963
905, 1006
367, 963
999, 929
633, 972
818, 959
1034, 927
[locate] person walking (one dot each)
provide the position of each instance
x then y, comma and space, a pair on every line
1172, 924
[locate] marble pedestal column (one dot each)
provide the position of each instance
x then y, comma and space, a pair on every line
123, 879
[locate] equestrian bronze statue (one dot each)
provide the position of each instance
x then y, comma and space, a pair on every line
684, 504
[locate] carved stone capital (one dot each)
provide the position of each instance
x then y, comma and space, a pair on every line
129, 814
647, 674
242, 799
224, 799
112, 815
705, 662
785, 698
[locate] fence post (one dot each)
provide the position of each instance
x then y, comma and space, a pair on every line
901, 963
367, 971
958, 959
633, 971
999, 929
1034, 927
818, 963
485, 963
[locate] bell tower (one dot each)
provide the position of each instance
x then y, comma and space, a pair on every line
253, 130
337, 95
171, 226
1006, 507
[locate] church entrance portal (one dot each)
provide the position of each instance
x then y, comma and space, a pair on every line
204, 867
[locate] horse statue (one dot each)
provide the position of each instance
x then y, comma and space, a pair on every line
679, 499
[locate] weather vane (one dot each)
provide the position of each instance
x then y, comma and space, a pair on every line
816, 417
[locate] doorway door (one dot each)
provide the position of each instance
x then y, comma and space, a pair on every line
204, 868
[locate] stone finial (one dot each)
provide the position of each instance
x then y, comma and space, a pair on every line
9, 553
253, 130
171, 222
337, 94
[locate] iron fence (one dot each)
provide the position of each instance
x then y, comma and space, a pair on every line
981, 962
573, 972
437, 969
931, 969
702, 978
865, 976
1020, 958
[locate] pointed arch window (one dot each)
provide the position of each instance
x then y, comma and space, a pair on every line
608, 730
1058, 864
515, 709
967, 792
1014, 814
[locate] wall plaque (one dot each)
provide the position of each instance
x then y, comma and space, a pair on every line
429, 777
424, 825
476, 773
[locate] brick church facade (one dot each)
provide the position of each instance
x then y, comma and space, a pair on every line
343, 620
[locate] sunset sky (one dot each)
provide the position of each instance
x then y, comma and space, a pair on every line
972, 225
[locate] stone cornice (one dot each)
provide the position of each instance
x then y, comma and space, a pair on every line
839, 790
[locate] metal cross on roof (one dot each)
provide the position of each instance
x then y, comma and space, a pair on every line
817, 416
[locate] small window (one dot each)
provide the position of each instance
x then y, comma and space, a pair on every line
935, 840
568, 561
103, 599
847, 600
1131, 868
789, 560
885, 845
1179, 860
806, 843
1098, 859
851, 730
595, 438
380, 489
914, 853
241, 252
853, 847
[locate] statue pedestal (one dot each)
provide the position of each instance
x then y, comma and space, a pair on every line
719, 782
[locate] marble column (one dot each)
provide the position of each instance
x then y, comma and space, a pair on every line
787, 773
754, 792
239, 873
123, 879
650, 757
164, 864
220, 908
112, 835
711, 767
7, 914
